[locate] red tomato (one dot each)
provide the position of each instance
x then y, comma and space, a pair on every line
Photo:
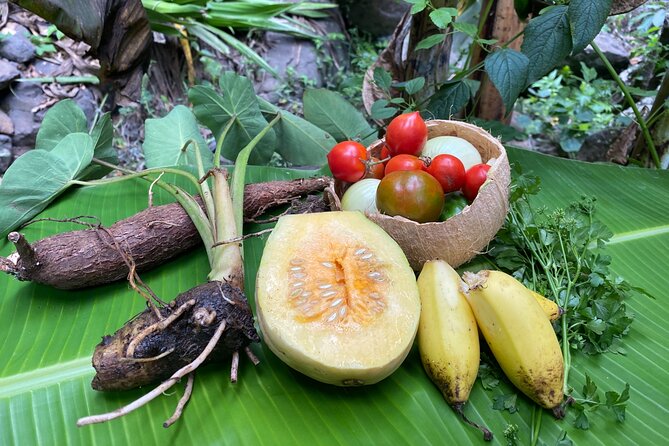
385, 153
375, 169
404, 162
406, 133
347, 161
413, 194
474, 178
449, 171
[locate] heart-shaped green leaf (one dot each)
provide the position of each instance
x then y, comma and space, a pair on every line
237, 102
38, 176
165, 141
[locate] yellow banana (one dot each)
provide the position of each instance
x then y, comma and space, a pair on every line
448, 338
519, 335
550, 308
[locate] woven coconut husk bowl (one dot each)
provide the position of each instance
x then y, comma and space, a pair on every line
466, 234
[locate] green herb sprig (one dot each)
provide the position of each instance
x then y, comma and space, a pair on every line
558, 253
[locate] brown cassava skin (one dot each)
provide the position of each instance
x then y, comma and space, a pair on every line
188, 337
86, 258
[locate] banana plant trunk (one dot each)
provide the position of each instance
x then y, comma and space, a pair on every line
118, 32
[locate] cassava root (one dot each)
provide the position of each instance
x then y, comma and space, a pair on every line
86, 258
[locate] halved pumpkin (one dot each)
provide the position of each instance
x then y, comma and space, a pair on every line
336, 298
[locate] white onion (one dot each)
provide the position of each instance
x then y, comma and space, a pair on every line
452, 145
361, 196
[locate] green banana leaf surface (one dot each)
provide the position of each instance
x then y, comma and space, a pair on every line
47, 338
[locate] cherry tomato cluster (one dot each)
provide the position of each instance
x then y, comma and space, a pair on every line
411, 186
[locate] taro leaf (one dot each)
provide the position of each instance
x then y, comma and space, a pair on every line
329, 111
38, 176
508, 71
547, 41
102, 135
449, 99
586, 18
165, 140
238, 102
63, 118
49, 336
66, 117
297, 140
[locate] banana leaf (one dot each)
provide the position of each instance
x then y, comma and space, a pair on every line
48, 337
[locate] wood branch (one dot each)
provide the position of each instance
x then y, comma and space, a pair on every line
623, 6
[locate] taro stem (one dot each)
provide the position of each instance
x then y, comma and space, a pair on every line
227, 264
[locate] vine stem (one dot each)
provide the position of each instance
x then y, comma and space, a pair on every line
630, 100
536, 425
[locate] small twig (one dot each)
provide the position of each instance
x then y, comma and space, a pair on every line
26, 252
254, 359
243, 237
267, 220
151, 188
234, 367
158, 326
161, 388
78, 220
133, 278
182, 402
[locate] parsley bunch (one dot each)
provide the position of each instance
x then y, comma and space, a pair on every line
558, 253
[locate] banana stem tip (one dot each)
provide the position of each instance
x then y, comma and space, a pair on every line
459, 409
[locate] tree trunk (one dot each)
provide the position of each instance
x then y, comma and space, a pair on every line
502, 24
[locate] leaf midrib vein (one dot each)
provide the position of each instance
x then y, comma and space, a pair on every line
45, 376
638, 234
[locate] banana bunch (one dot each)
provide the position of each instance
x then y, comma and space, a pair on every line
519, 335
515, 322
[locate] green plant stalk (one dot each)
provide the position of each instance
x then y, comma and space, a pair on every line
482, 22
228, 222
205, 192
61, 80
536, 425
221, 138
239, 174
640, 120
555, 287
227, 265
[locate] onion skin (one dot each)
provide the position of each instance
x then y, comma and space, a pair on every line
361, 196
